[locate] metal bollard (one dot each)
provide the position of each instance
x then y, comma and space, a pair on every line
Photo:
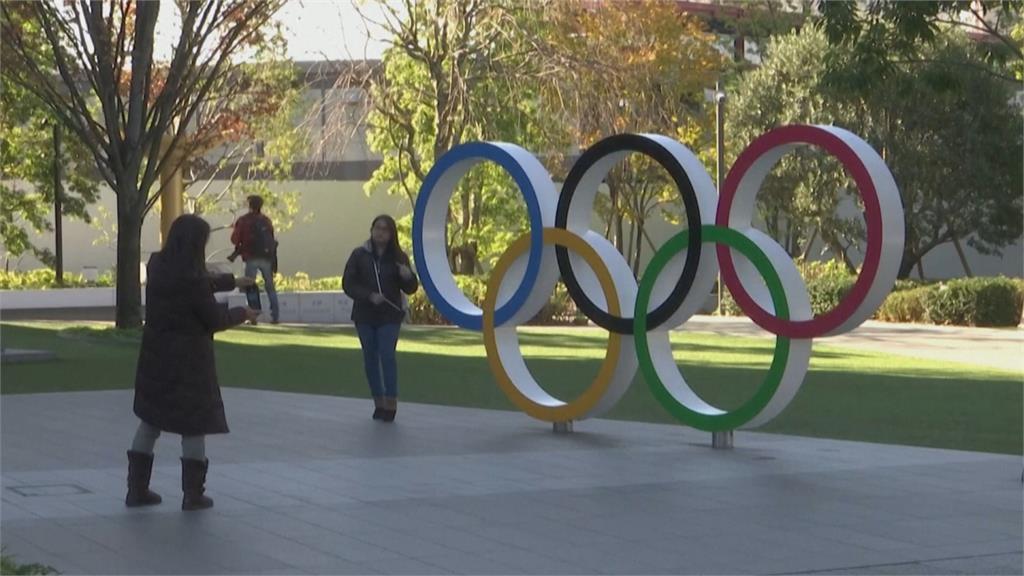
721, 440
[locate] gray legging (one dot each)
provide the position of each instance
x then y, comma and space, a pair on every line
192, 447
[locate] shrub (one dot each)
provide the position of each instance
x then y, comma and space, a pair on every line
827, 283
975, 302
908, 305
8, 565
46, 279
560, 309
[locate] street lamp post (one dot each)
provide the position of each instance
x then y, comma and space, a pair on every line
719, 160
58, 205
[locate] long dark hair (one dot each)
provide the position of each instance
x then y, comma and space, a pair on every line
185, 247
393, 249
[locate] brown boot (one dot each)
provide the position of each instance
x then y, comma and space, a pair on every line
193, 484
390, 408
378, 405
140, 468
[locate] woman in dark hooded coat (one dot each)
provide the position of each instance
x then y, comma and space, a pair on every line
176, 386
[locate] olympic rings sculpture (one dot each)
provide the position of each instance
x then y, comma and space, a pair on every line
638, 316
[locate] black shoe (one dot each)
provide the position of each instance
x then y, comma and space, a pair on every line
140, 468
388, 415
193, 484
378, 414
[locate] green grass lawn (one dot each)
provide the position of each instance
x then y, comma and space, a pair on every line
848, 394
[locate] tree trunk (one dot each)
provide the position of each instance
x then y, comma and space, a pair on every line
838, 251
467, 259
129, 255
810, 244
640, 225
910, 260
466, 252
615, 215
963, 257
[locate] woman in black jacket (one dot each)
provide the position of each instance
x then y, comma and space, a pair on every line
176, 386
376, 275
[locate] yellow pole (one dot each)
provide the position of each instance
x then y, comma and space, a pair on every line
172, 191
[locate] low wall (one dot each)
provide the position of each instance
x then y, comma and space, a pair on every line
98, 304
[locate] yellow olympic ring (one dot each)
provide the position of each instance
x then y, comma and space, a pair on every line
542, 405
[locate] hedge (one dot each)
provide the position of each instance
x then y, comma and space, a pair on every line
560, 309
827, 283
974, 302
992, 301
46, 279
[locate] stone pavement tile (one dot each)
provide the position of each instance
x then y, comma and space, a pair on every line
174, 542
352, 544
60, 540
530, 562
995, 564
853, 536
349, 548
110, 563
251, 495
389, 514
520, 537
400, 565
288, 552
438, 513
102, 505
339, 519
999, 521
1006, 544
614, 561
401, 543
496, 509
462, 540
928, 533
10, 512
635, 527
499, 488
26, 552
910, 568
806, 557
827, 513
54, 509
468, 564
684, 560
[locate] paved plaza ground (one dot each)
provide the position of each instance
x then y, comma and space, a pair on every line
309, 484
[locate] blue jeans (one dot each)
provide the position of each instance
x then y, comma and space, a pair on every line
264, 266
379, 343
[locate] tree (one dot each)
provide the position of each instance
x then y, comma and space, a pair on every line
456, 71
260, 146
799, 199
954, 142
27, 177
632, 67
889, 33
948, 132
253, 152
757, 21
97, 73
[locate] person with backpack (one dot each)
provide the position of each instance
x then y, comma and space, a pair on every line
253, 237
376, 276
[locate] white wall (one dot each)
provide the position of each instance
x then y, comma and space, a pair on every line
334, 218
